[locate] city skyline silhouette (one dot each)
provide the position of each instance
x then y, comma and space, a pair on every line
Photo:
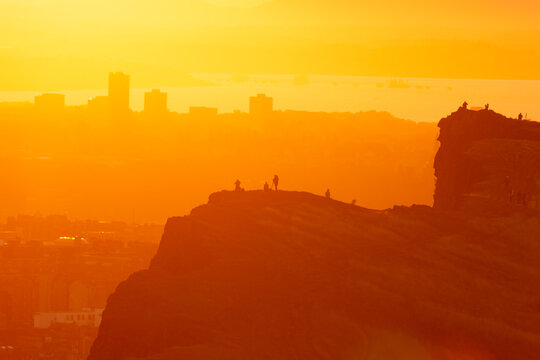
269, 179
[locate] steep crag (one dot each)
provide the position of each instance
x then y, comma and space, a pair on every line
487, 159
290, 275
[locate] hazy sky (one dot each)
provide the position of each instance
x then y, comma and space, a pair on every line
493, 14
50, 42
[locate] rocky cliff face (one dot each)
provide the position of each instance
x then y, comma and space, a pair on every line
487, 160
283, 275
288, 275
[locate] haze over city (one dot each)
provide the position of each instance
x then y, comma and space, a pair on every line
269, 179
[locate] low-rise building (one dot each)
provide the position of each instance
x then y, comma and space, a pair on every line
203, 112
86, 317
155, 102
50, 102
261, 105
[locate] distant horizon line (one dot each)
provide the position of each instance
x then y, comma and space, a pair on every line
292, 76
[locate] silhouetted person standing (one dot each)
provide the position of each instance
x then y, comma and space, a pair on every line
275, 181
520, 116
486, 107
237, 188
266, 186
327, 194
464, 106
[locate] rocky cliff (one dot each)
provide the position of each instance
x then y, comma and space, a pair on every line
285, 275
486, 159
289, 275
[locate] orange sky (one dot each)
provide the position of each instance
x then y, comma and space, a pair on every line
56, 44
64, 44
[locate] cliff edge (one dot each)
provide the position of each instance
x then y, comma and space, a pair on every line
487, 161
283, 275
291, 275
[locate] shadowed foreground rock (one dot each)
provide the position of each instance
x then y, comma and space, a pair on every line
287, 275
487, 161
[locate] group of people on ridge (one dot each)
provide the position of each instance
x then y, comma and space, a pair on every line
275, 183
465, 105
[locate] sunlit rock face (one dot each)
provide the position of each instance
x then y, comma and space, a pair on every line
487, 161
291, 275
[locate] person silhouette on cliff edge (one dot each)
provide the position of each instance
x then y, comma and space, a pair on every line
464, 106
238, 188
275, 181
327, 194
266, 186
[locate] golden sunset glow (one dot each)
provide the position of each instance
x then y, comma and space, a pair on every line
269, 179
48, 43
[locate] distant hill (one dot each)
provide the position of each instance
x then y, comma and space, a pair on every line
289, 275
